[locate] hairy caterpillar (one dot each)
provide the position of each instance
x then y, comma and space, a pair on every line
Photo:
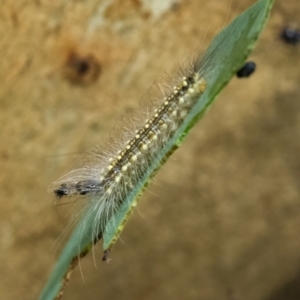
110, 174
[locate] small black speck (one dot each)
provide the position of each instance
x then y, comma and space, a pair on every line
248, 68
105, 255
290, 36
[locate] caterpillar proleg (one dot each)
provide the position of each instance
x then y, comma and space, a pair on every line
108, 175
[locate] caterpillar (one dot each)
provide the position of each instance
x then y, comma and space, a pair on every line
107, 175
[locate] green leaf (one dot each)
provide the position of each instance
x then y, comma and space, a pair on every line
224, 57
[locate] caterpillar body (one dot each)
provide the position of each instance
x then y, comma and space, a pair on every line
108, 176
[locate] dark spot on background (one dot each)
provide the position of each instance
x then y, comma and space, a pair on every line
81, 69
290, 36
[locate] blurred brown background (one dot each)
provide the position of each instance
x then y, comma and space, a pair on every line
221, 221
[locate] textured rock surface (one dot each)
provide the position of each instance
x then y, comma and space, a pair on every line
223, 221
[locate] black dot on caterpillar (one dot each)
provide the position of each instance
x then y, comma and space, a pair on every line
81, 188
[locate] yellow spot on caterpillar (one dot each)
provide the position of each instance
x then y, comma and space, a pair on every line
183, 113
118, 178
144, 147
191, 91
201, 85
